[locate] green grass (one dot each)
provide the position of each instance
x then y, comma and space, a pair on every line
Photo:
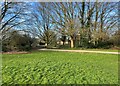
47, 67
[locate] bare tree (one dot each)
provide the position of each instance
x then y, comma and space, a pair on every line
105, 20
12, 15
66, 21
41, 25
89, 19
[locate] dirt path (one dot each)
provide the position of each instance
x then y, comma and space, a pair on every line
86, 51
16, 52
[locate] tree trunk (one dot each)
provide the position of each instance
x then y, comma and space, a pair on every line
63, 42
71, 43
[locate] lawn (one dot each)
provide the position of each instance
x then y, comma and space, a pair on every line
47, 67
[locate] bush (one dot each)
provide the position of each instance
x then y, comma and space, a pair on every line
64, 46
17, 42
4, 48
25, 48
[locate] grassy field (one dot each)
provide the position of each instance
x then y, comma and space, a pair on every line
47, 67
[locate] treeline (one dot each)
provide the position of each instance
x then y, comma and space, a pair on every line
81, 24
